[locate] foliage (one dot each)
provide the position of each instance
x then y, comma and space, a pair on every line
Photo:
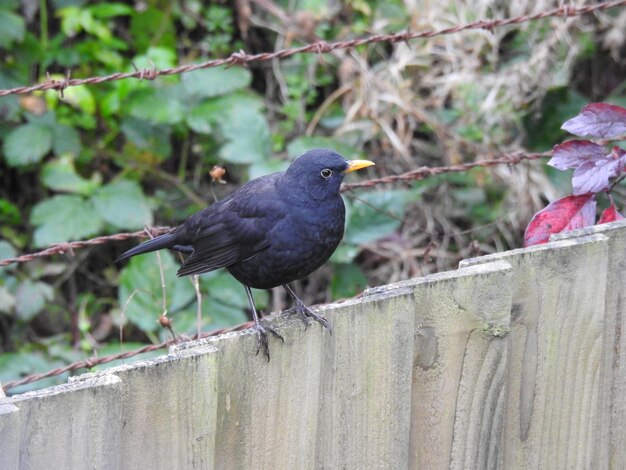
594, 167
117, 156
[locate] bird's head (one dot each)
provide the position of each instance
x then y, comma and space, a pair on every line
317, 174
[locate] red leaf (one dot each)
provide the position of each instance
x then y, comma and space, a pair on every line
610, 214
599, 120
568, 213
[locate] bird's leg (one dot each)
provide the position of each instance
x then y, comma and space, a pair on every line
261, 327
305, 312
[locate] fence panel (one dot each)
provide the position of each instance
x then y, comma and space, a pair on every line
512, 361
553, 408
613, 388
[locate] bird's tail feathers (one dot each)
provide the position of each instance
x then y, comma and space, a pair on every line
167, 240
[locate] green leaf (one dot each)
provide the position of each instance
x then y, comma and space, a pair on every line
14, 364
142, 277
200, 119
65, 140
112, 59
7, 299
80, 97
345, 253
215, 314
94, 26
109, 10
348, 281
147, 142
10, 4
63, 218
145, 25
60, 175
156, 105
266, 167
31, 298
27, 144
75, 19
216, 81
12, 28
219, 108
224, 288
376, 214
123, 205
248, 135
11, 109
159, 57
9, 213
6, 251
17, 364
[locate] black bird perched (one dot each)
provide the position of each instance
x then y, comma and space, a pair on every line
271, 231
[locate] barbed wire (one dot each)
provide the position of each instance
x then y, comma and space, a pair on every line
418, 174
424, 172
96, 361
319, 47
69, 247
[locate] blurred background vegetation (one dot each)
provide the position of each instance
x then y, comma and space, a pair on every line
119, 156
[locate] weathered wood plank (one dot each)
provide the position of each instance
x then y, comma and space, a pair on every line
555, 362
323, 401
459, 367
613, 387
168, 411
266, 412
365, 390
61, 427
150, 414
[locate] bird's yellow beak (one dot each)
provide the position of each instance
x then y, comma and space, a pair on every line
354, 165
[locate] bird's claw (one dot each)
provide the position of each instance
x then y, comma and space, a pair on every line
307, 314
262, 329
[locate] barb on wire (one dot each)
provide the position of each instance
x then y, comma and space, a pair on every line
96, 361
418, 174
425, 172
241, 58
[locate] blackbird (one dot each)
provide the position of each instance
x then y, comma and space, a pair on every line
271, 231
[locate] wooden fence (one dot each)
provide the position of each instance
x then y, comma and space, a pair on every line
515, 360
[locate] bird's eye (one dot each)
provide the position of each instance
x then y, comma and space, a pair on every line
326, 173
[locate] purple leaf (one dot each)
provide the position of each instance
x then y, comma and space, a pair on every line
593, 177
568, 213
601, 120
573, 153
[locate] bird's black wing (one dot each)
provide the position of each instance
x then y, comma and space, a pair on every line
235, 229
